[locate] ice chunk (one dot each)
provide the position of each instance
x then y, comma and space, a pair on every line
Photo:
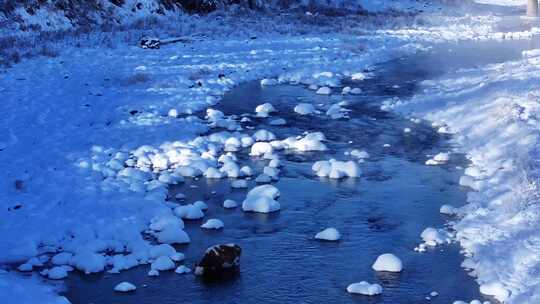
212, 224
239, 184
364, 288
328, 234
124, 287
387, 262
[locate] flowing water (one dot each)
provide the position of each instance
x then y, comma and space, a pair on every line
383, 211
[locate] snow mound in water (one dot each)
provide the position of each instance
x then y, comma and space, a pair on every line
264, 110
310, 142
336, 169
329, 234
58, 273
264, 135
387, 262
182, 270
434, 237
124, 287
438, 159
448, 210
324, 91
162, 263
261, 148
304, 109
190, 212
364, 288
212, 224
230, 204
269, 82
262, 199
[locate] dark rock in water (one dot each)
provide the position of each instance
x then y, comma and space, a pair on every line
219, 260
150, 43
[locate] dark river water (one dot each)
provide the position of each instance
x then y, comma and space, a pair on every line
383, 211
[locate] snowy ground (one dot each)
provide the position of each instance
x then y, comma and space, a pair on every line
70, 121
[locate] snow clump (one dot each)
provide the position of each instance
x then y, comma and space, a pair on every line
336, 169
388, 262
364, 288
328, 234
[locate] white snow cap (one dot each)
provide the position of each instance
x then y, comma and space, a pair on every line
212, 224
269, 82
364, 288
433, 237
262, 199
125, 287
387, 262
329, 234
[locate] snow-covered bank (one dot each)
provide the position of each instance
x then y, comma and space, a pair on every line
84, 135
493, 112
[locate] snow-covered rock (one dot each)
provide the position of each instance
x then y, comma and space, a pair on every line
387, 262
261, 148
336, 169
324, 91
433, 237
230, 204
264, 110
364, 288
305, 109
182, 270
329, 234
212, 224
190, 212
269, 82
262, 199
124, 287
448, 210
163, 263
58, 273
